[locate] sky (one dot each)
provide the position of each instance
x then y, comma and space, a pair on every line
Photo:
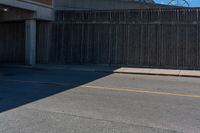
192, 3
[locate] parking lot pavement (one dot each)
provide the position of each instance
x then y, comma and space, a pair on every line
56, 101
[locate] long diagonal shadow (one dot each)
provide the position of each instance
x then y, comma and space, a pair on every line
22, 86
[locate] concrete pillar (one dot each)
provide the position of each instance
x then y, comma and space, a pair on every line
30, 42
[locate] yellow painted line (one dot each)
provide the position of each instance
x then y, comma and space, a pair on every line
118, 89
142, 91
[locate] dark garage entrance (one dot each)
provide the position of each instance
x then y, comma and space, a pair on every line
12, 34
12, 43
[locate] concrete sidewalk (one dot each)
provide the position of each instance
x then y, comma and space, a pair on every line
115, 69
163, 72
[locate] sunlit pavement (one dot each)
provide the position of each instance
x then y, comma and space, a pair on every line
63, 101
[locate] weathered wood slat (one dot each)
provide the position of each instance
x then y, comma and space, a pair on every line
151, 38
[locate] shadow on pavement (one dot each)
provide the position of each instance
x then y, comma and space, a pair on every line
20, 86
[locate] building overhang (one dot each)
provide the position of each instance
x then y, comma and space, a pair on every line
8, 13
21, 9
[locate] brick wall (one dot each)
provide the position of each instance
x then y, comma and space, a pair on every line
49, 2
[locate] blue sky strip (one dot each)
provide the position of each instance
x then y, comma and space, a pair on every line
193, 3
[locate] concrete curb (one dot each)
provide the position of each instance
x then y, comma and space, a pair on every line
155, 74
129, 72
141, 71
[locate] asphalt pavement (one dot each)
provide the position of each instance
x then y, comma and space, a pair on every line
34, 100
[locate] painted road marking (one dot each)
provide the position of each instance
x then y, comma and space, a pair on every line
114, 89
142, 91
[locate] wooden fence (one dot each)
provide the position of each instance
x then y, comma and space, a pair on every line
150, 38
12, 43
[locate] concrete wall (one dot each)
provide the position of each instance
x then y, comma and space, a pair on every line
48, 2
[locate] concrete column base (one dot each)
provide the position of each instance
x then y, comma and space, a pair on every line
30, 42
